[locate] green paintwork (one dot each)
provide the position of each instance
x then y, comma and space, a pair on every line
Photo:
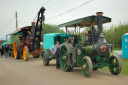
86, 21
81, 39
80, 56
87, 51
102, 61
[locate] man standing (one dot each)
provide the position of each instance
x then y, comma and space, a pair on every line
56, 50
6, 50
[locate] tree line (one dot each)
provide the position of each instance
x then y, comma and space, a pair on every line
114, 34
49, 28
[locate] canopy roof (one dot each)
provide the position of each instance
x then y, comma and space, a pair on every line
13, 34
84, 22
20, 30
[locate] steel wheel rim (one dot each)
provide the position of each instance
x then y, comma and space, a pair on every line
15, 50
85, 70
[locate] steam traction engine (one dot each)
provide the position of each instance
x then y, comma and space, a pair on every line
88, 50
29, 42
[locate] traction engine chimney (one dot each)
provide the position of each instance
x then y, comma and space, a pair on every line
99, 25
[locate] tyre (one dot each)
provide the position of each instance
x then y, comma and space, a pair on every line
16, 49
36, 56
115, 65
25, 53
45, 61
73, 54
86, 66
64, 58
71, 68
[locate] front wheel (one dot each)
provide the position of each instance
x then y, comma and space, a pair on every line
86, 66
25, 53
115, 65
45, 61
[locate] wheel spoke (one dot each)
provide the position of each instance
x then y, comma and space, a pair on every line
65, 65
64, 51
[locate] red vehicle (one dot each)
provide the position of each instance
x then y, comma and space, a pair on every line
29, 41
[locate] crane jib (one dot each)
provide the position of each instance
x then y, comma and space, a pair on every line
38, 28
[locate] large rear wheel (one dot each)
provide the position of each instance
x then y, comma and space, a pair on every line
86, 66
64, 57
25, 53
16, 49
115, 67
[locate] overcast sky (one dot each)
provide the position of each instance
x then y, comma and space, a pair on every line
27, 10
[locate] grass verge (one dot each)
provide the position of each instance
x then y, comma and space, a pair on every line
124, 62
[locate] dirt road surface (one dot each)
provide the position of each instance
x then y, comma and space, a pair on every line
33, 72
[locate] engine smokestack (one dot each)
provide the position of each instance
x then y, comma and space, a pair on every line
99, 25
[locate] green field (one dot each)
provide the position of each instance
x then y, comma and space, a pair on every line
124, 62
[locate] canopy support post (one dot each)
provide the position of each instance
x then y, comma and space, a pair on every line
66, 32
75, 28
